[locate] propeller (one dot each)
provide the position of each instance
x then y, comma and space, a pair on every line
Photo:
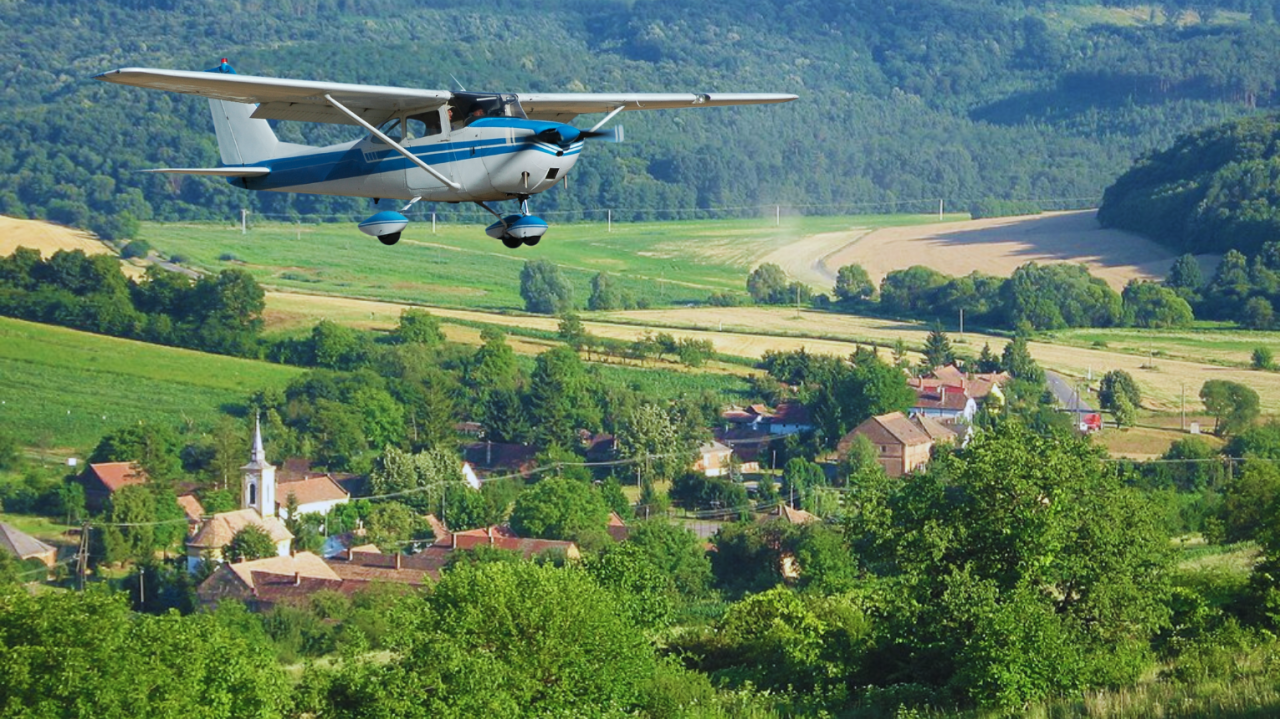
565, 135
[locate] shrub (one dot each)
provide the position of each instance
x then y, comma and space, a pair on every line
136, 248
1263, 359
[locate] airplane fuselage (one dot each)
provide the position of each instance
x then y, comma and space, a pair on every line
492, 159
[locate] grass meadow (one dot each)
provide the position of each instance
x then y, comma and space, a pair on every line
1205, 342
64, 389
459, 266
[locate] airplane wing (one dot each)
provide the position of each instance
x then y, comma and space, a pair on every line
563, 107
281, 99
214, 171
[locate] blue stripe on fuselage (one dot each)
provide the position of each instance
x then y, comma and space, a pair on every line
344, 164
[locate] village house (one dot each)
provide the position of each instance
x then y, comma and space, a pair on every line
787, 515
104, 479
263, 583
938, 400
713, 459
902, 444
788, 418
23, 546
499, 458
502, 537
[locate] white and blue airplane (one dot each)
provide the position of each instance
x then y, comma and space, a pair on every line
432, 145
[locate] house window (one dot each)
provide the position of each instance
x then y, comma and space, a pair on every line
884, 449
253, 495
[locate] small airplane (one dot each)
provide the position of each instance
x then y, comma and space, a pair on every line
432, 145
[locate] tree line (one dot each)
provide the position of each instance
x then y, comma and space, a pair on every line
967, 101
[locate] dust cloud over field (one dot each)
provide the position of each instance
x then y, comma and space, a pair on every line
995, 246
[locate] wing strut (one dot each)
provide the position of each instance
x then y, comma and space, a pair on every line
607, 118
393, 144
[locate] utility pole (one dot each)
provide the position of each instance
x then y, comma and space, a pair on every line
609, 226
962, 324
433, 223
244, 221
82, 563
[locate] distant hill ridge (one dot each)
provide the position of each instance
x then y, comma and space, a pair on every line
955, 99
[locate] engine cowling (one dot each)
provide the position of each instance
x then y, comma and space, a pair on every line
384, 223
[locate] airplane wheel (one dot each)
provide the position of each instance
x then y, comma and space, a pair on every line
532, 241
390, 239
511, 242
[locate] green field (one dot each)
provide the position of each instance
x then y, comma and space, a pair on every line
60, 388
460, 266
1206, 342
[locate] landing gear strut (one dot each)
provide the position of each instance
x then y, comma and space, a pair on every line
516, 230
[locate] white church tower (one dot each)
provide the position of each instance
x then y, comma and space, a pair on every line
259, 488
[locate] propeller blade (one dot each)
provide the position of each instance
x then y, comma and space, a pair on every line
613, 134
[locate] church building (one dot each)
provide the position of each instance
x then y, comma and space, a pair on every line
258, 507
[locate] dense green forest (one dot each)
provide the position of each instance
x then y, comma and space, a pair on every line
1211, 191
943, 99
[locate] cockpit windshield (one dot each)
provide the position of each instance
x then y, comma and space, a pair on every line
467, 107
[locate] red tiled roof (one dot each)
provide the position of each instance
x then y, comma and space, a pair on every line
941, 397
791, 413
897, 424
617, 528
310, 490
191, 507
491, 456
117, 475
937, 431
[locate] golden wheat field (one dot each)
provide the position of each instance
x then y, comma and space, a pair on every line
48, 238
998, 246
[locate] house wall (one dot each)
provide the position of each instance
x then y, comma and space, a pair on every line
321, 508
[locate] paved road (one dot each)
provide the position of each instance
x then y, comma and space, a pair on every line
1065, 391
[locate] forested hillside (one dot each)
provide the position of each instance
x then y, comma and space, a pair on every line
1212, 191
900, 102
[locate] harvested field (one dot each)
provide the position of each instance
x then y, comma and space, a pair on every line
998, 246
368, 313
751, 331
1161, 384
46, 237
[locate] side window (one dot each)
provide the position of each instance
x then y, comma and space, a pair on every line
392, 129
425, 124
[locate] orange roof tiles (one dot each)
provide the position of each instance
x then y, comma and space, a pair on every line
117, 475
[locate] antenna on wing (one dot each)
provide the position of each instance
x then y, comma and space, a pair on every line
460, 87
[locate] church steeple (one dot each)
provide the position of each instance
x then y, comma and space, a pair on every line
259, 455
258, 490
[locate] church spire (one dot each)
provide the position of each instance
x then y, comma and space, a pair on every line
258, 490
259, 455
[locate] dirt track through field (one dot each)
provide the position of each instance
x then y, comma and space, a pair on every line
995, 246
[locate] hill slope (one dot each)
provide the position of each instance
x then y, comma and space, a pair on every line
68, 388
1212, 191
939, 98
